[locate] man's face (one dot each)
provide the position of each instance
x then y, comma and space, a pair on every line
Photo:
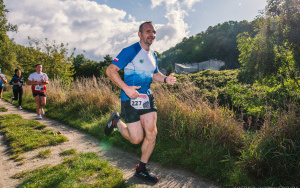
147, 35
39, 68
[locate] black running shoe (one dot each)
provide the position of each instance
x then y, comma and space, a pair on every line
110, 125
144, 174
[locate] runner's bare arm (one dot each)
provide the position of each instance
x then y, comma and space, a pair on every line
171, 80
112, 73
4, 80
29, 82
45, 82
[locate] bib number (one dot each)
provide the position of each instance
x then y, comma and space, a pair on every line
39, 88
141, 102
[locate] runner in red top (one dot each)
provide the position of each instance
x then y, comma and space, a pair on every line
38, 81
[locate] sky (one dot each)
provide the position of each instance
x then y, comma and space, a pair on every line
100, 27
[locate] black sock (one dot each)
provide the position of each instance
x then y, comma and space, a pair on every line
142, 165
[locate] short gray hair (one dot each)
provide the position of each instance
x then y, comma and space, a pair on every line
141, 26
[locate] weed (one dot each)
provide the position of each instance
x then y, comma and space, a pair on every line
44, 153
68, 152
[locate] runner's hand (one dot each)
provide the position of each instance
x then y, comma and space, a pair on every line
132, 92
171, 80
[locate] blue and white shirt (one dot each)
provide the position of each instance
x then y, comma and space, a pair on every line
139, 66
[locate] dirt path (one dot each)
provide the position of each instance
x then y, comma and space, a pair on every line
85, 143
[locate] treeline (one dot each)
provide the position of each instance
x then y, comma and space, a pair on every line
57, 61
261, 47
217, 42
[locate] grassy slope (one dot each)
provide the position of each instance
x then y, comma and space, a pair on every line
192, 133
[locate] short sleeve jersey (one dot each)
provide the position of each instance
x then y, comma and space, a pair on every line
139, 66
35, 77
1, 81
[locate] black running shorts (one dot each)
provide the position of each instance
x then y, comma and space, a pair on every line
130, 114
39, 94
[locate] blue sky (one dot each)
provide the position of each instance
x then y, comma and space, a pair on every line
99, 27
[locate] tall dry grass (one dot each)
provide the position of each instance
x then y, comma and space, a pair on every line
183, 113
87, 92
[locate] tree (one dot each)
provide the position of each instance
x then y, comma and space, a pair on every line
7, 56
54, 58
274, 51
170, 70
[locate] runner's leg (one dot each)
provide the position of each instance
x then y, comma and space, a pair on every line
43, 102
16, 93
38, 103
149, 124
20, 96
133, 132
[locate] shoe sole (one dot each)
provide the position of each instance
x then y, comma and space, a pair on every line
144, 178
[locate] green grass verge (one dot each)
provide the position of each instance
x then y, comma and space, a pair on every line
25, 135
78, 170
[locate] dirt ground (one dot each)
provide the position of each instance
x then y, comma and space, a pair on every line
85, 143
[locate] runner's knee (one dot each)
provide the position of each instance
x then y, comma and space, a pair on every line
136, 140
43, 104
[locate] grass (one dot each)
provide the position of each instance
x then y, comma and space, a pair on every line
68, 152
3, 109
77, 170
44, 154
25, 135
192, 133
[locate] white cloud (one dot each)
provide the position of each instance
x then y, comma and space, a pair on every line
176, 28
88, 26
84, 25
190, 3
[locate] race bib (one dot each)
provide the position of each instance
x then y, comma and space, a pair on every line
39, 87
141, 102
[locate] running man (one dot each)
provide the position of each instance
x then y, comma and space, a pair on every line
137, 102
38, 81
3, 81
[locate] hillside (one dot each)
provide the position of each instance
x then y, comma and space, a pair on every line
217, 42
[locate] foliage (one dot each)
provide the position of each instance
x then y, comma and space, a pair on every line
88, 68
274, 153
217, 42
274, 52
170, 70
7, 55
54, 58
